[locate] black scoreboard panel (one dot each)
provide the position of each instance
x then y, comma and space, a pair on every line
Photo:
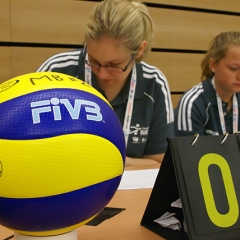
205, 175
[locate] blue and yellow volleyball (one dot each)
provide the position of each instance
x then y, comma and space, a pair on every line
62, 153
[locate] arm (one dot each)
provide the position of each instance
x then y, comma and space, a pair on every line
155, 159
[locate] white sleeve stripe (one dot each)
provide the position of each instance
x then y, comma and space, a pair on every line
60, 62
149, 68
57, 58
189, 110
161, 79
185, 107
166, 92
60, 65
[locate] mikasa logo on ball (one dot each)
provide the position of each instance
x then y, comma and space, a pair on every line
53, 105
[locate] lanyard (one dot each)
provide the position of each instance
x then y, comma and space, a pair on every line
130, 103
221, 115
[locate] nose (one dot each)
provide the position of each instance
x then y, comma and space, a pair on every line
102, 72
238, 75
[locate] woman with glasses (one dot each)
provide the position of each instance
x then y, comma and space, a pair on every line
118, 37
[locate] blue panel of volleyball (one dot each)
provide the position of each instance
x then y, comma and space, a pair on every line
62, 153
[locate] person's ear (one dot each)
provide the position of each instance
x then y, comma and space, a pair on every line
212, 64
141, 48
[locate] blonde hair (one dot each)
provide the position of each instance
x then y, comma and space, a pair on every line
122, 20
218, 49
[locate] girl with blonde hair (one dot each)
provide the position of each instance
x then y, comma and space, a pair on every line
118, 37
212, 106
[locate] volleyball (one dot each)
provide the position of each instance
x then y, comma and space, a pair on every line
62, 153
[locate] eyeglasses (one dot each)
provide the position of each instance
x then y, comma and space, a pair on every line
96, 65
